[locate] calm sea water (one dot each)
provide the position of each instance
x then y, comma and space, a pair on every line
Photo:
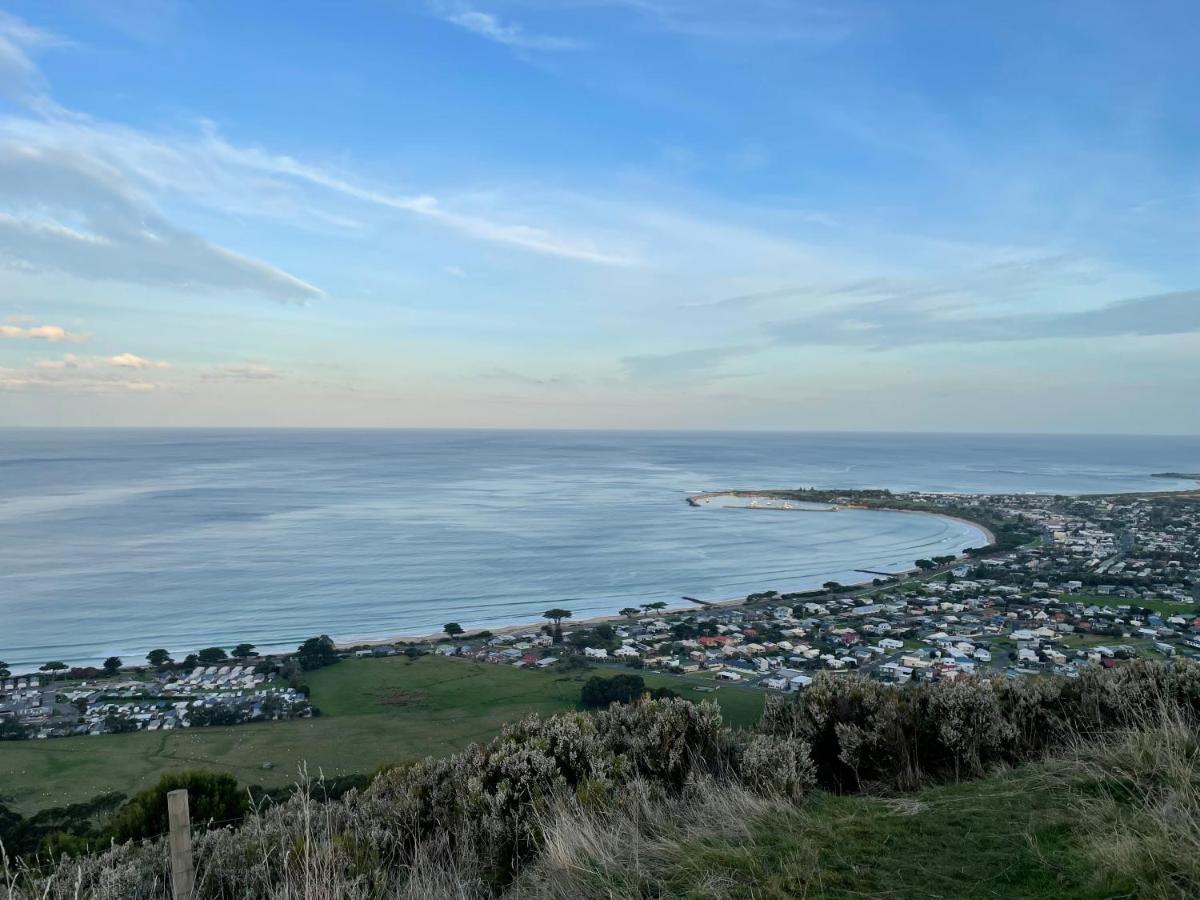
121, 541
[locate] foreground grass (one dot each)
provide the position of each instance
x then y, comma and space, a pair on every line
1013, 835
375, 712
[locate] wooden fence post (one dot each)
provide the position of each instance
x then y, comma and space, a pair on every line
183, 875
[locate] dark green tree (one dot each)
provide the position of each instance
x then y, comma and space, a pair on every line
244, 651
211, 655
159, 659
556, 615
53, 667
212, 797
112, 665
599, 692
316, 652
453, 629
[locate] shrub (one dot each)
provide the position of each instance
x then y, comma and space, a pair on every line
600, 692
212, 797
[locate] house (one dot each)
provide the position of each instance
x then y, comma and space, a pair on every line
595, 653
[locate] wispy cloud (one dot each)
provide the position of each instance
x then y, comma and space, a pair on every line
682, 363
526, 237
122, 236
20, 78
748, 21
80, 374
970, 308
885, 324
87, 198
488, 25
242, 372
51, 333
132, 361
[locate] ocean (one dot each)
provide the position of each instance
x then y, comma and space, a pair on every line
120, 541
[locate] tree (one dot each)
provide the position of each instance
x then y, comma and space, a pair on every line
244, 651
53, 667
212, 797
654, 607
556, 615
112, 666
4, 670
925, 564
453, 629
599, 692
158, 658
191, 661
630, 612
832, 586
211, 655
316, 652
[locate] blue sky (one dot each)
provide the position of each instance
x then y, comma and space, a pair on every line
772, 214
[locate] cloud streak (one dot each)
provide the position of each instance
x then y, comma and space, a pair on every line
242, 372
886, 324
489, 26
120, 236
525, 237
76, 374
747, 21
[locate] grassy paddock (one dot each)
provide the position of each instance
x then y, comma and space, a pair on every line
376, 712
1162, 607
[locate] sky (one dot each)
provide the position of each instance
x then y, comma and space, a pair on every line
692, 214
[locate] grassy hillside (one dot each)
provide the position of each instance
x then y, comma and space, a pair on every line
1008, 836
1055, 788
375, 712
1043, 831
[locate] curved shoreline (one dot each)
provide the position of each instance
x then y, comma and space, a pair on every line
697, 500
731, 602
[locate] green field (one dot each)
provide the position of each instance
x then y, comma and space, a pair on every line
375, 712
1162, 607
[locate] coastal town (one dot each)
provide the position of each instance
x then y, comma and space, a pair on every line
1068, 582
1101, 580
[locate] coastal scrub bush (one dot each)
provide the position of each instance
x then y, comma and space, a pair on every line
774, 766
212, 797
862, 733
858, 731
